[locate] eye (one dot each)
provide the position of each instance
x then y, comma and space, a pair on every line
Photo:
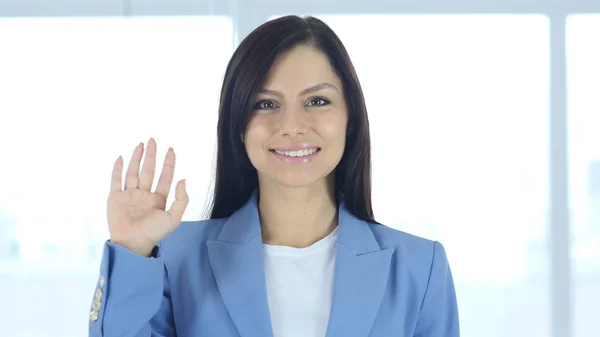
318, 101
264, 104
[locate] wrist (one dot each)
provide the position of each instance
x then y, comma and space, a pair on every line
143, 249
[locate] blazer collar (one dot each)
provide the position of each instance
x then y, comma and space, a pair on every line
244, 224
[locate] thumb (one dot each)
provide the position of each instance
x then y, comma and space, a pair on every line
179, 204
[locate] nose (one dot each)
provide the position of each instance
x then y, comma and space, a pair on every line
293, 122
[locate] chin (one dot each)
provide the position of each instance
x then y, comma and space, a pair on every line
299, 180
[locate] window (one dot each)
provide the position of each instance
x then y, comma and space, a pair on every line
76, 93
583, 53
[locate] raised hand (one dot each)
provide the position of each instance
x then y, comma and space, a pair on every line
137, 217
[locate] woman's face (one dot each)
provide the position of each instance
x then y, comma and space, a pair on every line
297, 132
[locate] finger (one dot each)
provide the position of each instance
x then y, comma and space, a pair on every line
166, 177
147, 175
131, 179
179, 204
117, 176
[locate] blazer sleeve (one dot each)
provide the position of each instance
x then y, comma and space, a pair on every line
438, 316
132, 298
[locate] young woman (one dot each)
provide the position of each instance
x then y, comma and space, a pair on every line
291, 247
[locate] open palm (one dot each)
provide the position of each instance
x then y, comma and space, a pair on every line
137, 217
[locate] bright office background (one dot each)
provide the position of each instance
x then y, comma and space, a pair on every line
485, 120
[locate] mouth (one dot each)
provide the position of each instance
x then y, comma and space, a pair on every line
300, 156
296, 153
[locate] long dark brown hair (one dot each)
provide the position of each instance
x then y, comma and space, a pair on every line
246, 73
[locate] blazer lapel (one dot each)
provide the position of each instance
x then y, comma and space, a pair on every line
360, 279
237, 261
361, 274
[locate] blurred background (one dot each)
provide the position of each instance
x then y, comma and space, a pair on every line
485, 121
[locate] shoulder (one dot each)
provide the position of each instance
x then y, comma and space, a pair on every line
388, 237
414, 254
421, 269
190, 237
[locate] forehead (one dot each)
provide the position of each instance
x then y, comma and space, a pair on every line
301, 67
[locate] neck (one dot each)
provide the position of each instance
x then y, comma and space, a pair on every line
296, 217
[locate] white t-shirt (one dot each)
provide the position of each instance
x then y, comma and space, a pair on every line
299, 287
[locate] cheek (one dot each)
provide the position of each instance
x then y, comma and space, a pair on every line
332, 127
258, 132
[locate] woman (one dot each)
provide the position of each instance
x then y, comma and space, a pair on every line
291, 247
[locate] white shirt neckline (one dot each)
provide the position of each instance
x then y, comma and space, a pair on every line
324, 243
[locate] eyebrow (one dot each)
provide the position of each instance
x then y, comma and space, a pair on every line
306, 91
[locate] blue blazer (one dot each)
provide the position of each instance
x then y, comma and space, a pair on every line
207, 279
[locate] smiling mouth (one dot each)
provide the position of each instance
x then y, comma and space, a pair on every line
297, 153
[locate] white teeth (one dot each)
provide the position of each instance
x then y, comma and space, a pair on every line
299, 153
